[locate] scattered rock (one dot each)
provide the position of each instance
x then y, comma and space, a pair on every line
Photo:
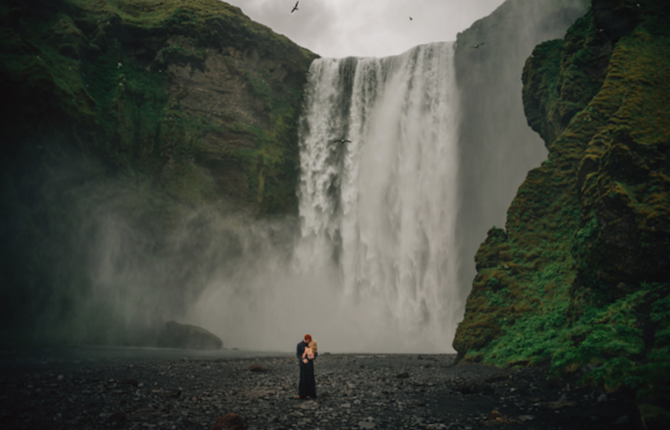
496, 378
191, 394
559, 404
518, 385
467, 388
495, 417
554, 382
230, 421
309, 404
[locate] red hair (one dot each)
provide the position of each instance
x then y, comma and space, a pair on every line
308, 337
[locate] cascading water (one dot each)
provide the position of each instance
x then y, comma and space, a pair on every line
378, 154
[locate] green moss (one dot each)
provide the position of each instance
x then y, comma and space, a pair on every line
130, 108
546, 60
99, 89
589, 292
610, 339
118, 97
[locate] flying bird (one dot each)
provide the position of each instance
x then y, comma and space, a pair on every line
478, 45
295, 7
342, 141
410, 18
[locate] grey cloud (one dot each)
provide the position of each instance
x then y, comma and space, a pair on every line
339, 28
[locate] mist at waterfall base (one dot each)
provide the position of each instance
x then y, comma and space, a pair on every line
373, 270
368, 267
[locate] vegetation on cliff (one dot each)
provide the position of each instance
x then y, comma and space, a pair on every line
496, 149
137, 122
132, 81
579, 276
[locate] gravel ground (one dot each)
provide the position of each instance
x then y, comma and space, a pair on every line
355, 392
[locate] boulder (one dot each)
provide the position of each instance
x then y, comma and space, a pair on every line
175, 335
116, 418
229, 421
257, 368
614, 18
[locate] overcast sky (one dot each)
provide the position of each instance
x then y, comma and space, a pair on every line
378, 28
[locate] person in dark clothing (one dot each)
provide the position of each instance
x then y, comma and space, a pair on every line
307, 385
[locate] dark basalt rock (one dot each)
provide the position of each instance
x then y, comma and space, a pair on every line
616, 18
257, 368
175, 335
229, 421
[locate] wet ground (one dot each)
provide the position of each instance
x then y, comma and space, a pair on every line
174, 389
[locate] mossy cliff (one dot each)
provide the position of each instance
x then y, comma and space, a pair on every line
149, 112
579, 276
496, 148
160, 87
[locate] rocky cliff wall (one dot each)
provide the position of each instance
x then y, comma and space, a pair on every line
136, 134
578, 278
158, 87
496, 148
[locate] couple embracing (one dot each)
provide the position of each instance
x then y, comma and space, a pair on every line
306, 353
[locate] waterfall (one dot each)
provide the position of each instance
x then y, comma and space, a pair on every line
378, 159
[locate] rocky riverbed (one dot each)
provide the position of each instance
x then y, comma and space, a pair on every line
354, 392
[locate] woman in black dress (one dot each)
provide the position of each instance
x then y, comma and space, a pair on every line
307, 385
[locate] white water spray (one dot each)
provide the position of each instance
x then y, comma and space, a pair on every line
375, 267
378, 153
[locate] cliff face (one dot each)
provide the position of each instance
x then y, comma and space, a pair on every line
158, 87
496, 148
579, 277
120, 117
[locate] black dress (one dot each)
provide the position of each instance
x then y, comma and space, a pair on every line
307, 385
